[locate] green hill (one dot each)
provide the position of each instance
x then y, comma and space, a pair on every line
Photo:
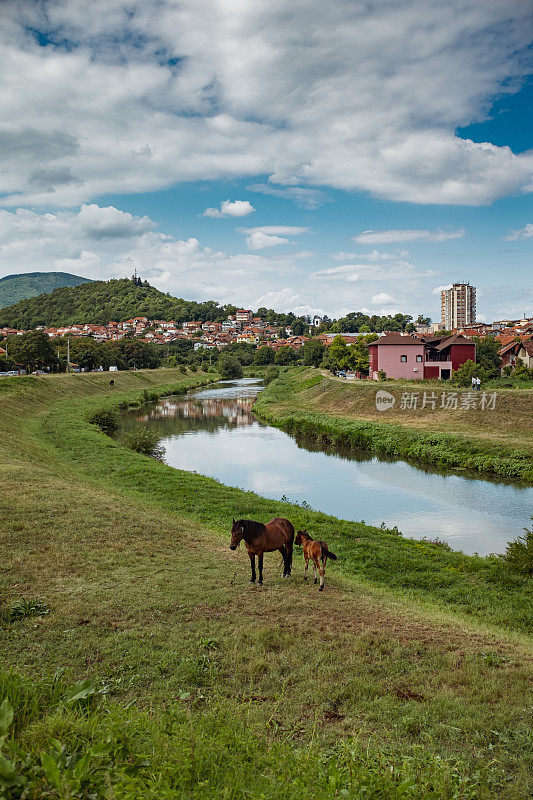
102, 301
14, 288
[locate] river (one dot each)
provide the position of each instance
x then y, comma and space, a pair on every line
214, 432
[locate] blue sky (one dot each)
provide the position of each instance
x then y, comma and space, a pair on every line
358, 157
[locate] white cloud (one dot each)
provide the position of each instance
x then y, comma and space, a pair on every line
259, 240
385, 237
136, 96
230, 208
382, 297
275, 230
271, 236
523, 233
302, 196
439, 289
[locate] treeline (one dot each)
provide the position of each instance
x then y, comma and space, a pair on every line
101, 302
35, 350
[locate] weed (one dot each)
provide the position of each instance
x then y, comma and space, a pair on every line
519, 554
106, 419
23, 608
143, 440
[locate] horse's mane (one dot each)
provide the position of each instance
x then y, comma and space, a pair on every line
252, 530
306, 536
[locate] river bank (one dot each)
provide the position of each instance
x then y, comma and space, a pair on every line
385, 685
497, 442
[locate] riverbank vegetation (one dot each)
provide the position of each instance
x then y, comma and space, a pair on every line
471, 436
163, 674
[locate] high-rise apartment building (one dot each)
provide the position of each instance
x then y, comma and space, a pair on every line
458, 306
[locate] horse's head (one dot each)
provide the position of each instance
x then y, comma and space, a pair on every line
237, 532
299, 537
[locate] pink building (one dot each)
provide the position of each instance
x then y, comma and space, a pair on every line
398, 356
408, 357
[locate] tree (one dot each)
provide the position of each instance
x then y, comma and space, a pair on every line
229, 367
285, 355
312, 353
263, 356
33, 349
420, 320
299, 327
487, 355
463, 376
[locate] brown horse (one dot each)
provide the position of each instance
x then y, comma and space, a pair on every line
318, 552
259, 538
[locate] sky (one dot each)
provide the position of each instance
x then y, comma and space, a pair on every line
304, 156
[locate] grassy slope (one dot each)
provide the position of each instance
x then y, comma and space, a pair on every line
498, 442
286, 693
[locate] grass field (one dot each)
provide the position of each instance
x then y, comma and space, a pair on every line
160, 673
497, 442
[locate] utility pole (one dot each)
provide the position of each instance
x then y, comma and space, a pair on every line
68, 354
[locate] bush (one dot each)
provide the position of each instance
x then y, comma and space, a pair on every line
144, 441
270, 375
106, 419
229, 367
183, 369
519, 553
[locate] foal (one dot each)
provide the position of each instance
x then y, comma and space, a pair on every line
316, 550
259, 538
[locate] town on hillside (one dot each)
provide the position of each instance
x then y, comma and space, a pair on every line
423, 350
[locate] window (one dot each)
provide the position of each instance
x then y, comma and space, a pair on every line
419, 358
403, 358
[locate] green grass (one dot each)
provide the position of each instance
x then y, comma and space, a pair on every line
289, 404
407, 678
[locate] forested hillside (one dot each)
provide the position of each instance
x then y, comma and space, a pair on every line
14, 288
102, 301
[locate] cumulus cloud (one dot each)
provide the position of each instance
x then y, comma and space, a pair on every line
523, 233
271, 236
259, 240
230, 208
136, 96
382, 297
386, 237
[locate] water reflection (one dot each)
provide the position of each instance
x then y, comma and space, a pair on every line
214, 432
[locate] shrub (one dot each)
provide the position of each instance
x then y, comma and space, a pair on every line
193, 368
519, 553
144, 441
270, 375
229, 367
183, 369
106, 419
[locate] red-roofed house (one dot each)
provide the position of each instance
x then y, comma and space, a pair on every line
408, 357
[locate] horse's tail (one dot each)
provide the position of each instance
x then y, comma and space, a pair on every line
327, 553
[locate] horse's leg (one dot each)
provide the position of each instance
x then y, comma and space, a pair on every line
283, 552
315, 567
306, 565
322, 572
260, 565
289, 558
252, 564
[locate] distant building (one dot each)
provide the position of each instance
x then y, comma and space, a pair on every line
458, 306
317, 321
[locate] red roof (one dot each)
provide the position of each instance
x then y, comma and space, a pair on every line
396, 338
